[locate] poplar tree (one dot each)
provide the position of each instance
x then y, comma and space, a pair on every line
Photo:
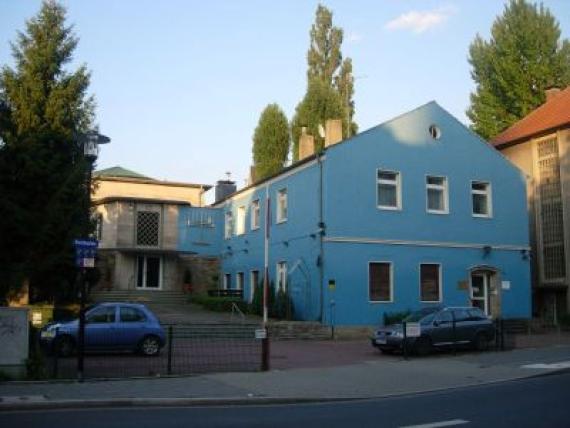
523, 57
43, 107
330, 84
270, 142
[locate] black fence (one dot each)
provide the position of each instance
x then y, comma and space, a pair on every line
189, 349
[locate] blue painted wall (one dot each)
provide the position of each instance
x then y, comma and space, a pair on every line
357, 232
199, 230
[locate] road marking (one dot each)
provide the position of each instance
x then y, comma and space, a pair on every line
449, 423
552, 366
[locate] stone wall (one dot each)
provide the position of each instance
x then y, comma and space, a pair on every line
205, 272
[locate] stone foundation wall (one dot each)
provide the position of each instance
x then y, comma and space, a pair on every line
204, 272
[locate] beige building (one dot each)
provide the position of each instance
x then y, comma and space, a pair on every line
137, 229
539, 144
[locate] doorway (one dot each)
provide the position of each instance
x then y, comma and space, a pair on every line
481, 290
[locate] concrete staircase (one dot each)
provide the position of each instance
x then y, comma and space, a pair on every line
151, 297
298, 330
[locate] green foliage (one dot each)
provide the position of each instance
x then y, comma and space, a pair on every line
218, 304
42, 171
330, 83
321, 102
36, 367
523, 57
270, 142
389, 318
282, 307
256, 306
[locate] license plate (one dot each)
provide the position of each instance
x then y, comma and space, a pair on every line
381, 341
47, 334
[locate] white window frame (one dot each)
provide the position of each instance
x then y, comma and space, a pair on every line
281, 201
228, 224
227, 282
240, 279
255, 214
440, 281
397, 183
240, 220
488, 192
280, 270
441, 187
253, 284
391, 281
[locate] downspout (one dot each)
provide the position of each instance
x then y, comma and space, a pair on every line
321, 231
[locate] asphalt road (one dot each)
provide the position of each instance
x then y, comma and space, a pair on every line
535, 402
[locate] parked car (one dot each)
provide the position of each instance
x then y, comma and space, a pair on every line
472, 328
108, 327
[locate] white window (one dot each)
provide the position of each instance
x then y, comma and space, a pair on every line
282, 205
253, 283
227, 281
255, 214
281, 276
229, 225
389, 194
380, 282
481, 196
436, 195
239, 281
240, 228
430, 282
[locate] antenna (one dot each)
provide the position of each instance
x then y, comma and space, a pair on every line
228, 175
321, 131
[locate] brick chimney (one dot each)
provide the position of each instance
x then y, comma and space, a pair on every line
552, 93
306, 144
333, 132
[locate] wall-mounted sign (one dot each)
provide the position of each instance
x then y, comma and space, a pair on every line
413, 329
506, 285
463, 285
332, 285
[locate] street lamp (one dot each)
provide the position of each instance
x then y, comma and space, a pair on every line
90, 142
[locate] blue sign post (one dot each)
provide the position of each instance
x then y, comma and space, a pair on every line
85, 252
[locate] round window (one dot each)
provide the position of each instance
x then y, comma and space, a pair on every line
435, 132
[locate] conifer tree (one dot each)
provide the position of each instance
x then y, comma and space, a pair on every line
270, 142
523, 57
329, 80
43, 107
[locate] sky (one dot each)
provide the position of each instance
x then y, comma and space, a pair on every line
180, 84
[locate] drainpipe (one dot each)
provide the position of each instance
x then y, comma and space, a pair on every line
321, 236
266, 256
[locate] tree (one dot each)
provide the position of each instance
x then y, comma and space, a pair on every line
321, 102
42, 170
523, 57
329, 80
270, 142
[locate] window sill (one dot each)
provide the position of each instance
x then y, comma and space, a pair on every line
387, 208
437, 212
281, 221
481, 216
375, 302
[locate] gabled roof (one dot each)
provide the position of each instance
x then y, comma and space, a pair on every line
120, 172
553, 114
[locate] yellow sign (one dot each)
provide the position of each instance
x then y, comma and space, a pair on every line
332, 285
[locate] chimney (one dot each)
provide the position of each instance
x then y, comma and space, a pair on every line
333, 132
251, 178
306, 144
224, 188
552, 93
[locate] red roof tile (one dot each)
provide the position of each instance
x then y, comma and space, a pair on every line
554, 113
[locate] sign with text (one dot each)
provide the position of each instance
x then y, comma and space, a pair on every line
85, 252
413, 329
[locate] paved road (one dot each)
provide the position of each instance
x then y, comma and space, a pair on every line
534, 402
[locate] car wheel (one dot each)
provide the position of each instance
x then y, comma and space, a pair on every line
422, 346
64, 346
481, 342
150, 346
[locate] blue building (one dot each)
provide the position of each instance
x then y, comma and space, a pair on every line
414, 212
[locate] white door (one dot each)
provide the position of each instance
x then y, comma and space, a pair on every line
480, 291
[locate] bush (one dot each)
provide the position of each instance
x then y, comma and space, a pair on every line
219, 304
389, 318
564, 320
282, 306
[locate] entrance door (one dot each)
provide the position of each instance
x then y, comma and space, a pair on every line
480, 293
148, 272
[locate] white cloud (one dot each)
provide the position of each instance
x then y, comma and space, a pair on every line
420, 21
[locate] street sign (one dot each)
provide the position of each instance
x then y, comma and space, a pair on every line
413, 329
85, 252
260, 333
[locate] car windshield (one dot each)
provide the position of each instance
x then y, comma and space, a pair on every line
422, 315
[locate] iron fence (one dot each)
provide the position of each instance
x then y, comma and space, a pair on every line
188, 349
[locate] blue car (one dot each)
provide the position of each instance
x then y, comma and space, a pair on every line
108, 327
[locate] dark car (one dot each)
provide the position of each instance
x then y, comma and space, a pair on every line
108, 327
439, 328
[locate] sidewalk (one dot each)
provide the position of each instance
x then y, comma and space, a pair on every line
377, 376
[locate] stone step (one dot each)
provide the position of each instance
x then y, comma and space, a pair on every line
142, 296
298, 330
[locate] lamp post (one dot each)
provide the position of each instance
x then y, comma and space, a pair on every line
90, 142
